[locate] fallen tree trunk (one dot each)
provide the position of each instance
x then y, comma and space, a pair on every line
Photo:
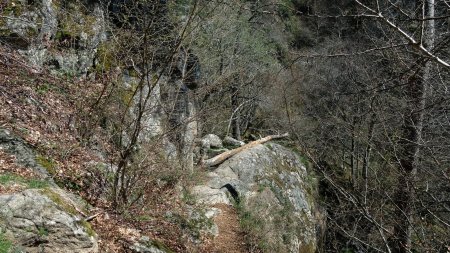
218, 159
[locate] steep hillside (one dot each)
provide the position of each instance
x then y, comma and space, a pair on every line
100, 139
49, 171
224, 126
42, 149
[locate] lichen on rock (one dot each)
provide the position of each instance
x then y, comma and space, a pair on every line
272, 185
36, 223
61, 37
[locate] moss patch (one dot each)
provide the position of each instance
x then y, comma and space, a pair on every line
14, 8
37, 184
6, 178
71, 27
5, 244
29, 183
89, 230
161, 246
195, 224
127, 95
105, 57
55, 197
67, 207
47, 163
42, 231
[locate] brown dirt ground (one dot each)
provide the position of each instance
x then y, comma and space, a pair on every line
231, 237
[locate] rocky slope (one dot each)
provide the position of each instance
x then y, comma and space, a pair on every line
271, 186
35, 214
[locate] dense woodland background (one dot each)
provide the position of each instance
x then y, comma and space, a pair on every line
362, 86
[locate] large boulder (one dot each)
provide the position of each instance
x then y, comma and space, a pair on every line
45, 220
211, 141
231, 142
211, 146
272, 185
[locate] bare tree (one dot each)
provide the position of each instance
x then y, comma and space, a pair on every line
364, 104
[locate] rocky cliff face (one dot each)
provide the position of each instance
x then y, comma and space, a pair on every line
70, 38
60, 35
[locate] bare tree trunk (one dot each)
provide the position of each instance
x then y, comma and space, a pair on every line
352, 154
365, 169
190, 133
409, 147
236, 119
410, 141
224, 156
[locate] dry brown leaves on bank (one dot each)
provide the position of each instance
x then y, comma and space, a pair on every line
46, 112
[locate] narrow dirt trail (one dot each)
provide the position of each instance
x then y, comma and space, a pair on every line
230, 238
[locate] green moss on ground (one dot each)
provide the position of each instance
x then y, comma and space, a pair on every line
5, 244
29, 183
47, 163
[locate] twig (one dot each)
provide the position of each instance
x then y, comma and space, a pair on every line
92, 217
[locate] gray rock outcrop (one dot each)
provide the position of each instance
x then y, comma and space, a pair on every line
44, 220
146, 245
46, 35
229, 141
211, 141
272, 184
21, 151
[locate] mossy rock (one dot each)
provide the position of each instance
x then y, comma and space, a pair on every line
281, 196
72, 26
104, 57
45, 215
161, 246
47, 163
89, 230
64, 202
147, 245
59, 200
67, 201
